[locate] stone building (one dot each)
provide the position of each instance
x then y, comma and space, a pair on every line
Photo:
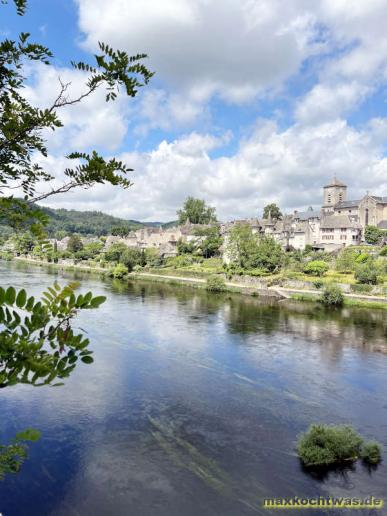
339, 223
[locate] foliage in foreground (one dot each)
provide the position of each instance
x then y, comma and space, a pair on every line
215, 284
332, 296
13, 455
37, 342
324, 445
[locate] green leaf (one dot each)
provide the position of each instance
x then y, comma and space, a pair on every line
10, 295
21, 298
30, 434
2, 295
97, 301
87, 359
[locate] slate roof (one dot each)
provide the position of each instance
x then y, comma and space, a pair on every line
382, 224
306, 215
382, 200
339, 221
347, 204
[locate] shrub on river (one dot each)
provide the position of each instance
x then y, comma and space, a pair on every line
120, 271
215, 284
324, 445
371, 452
332, 296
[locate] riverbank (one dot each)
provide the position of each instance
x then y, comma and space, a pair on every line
276, 292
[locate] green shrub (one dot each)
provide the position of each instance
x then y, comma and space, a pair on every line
362, 288
332, 296
346, 260
383, 252
316, 268
366, 273
215, 284
362, 258
371, 452
324, 445
120, 271
183, 260
131, 257
318, 284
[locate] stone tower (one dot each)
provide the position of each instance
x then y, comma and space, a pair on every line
334, 192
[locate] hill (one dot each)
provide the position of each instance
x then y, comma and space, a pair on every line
90, 222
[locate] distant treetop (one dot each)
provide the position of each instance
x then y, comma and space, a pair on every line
196, 211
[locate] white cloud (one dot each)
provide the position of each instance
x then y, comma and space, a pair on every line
235, 52
288, 167
327, 102
233, 49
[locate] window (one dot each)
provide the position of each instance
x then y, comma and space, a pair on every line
343, 230
340, 196
343, 237
329, 198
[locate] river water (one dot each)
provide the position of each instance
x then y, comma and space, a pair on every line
194, 404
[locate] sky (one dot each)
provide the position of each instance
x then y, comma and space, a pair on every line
252, 101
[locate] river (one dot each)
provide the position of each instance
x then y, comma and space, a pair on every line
194, 403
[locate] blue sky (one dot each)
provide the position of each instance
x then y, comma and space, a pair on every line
253, 101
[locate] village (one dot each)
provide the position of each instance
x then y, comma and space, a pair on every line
339, 223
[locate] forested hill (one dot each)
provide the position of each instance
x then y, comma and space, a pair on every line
89, 222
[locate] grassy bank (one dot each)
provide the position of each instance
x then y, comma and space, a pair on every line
349, 302
194, 278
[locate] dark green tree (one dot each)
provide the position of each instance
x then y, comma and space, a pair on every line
114, 252
196, 211
131, 257
242, 244
121, 231
211, 240
272, 210
74, 244
373, 235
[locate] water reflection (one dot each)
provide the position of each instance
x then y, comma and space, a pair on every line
194, 404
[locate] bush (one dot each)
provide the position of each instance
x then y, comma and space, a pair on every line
131, 257
113, 254
318, 284
183, 260
362, 258
316, 268
366, 273
383, 252
332, 296
371, 452
346, 260
215, 284
361, 288
324, 445
120, 271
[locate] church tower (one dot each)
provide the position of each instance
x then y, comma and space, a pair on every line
334, 192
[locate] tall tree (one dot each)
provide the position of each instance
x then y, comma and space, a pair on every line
196, 211
242, 244
37, 342
74, 244
272, 211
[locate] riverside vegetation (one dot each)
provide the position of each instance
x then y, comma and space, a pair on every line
357, 269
